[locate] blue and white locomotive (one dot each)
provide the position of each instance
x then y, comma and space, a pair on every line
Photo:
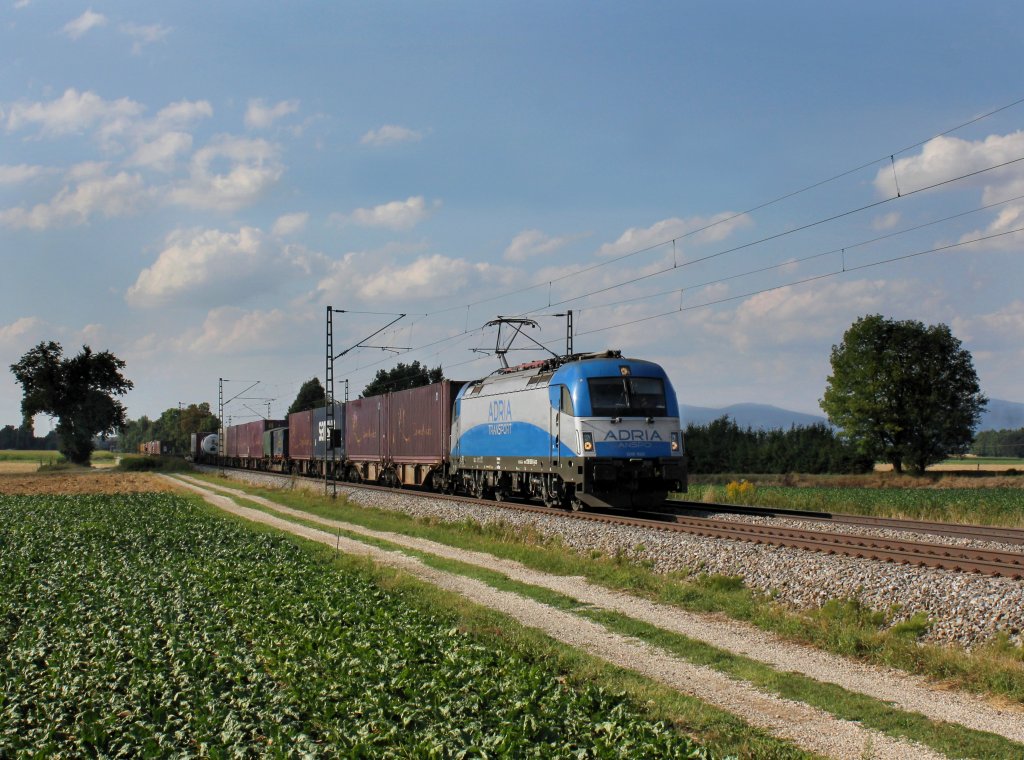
592, 430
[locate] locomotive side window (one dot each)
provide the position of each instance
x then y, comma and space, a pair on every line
627, 397
566, 404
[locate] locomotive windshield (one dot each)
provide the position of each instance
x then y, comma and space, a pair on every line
627, 397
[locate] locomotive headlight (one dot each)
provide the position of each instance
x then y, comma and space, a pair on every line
675, 442
588, 441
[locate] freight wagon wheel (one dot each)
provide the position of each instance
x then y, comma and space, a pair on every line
499, 494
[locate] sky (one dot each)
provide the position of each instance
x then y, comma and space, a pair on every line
722, 188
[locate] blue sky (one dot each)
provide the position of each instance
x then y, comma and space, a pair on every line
189, 185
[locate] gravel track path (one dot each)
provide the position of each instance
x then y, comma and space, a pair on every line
809, 727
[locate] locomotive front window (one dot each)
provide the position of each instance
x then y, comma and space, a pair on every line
647, 395
627, 397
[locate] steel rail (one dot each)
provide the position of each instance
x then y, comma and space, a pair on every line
954, 530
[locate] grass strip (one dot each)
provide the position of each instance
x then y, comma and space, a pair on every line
983, 505
948, 738
842, 627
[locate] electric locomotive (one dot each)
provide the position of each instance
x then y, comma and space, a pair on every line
591, 430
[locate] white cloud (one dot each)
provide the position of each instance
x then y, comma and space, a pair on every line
72, 113
390, 134
529, 243
254, 168
15, 175
19, 330
179, 115
260, 116
809, 314
711, 229
886, 221
117, 124
378, 275
396, 215
89, 194
144, 34
198, 264
1008, 321
160, 153
82, 24
1008, 219
944, 158
232, 330
212, 266
289, 224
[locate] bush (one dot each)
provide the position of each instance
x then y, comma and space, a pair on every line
154, 464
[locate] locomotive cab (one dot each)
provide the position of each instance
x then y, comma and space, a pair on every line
626, 424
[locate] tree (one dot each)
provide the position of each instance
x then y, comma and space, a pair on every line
904, 393
311, 395
197, 418
78, 391
174, 427
401, 378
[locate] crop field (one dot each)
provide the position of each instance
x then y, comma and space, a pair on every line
141, 624
987, 506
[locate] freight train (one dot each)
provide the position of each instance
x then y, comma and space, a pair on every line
583, 431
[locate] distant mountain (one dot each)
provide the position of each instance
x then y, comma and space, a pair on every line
756, 416
1002, 415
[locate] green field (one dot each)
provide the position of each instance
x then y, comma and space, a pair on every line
144, 625
985, 506
45, 457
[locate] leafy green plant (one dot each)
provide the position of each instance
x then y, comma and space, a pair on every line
142, 625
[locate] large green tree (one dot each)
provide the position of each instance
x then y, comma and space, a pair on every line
310, 396
402, 377
904, 393
79, 391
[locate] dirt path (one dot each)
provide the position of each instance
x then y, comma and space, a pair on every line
806, 726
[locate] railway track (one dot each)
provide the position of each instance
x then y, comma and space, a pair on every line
952, 530
905, 552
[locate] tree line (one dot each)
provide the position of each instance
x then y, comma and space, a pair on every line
173, 427
999, 443
24, 439
722, 446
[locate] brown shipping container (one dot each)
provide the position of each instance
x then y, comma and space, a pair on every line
365, 438
420, 423
300, 435
247, 440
